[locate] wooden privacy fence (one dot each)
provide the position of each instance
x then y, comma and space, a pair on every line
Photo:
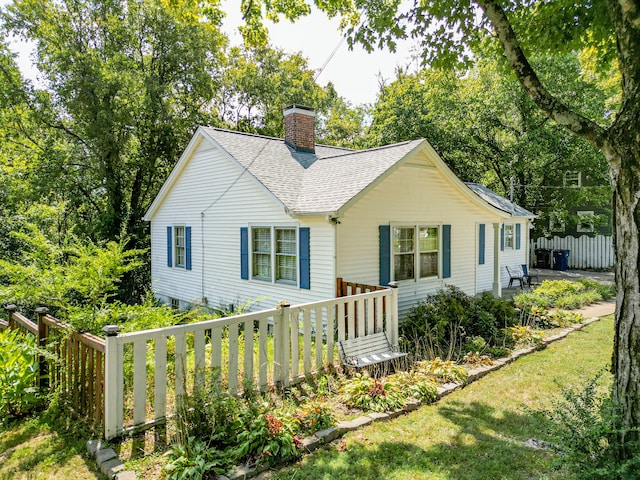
148, 371
586, 251
75, 365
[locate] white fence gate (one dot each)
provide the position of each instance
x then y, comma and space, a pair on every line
144, 369
586, 252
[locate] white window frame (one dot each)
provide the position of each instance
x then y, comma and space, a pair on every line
579, 227
572, 178
416, 252
509, 236
274, 255
179, 249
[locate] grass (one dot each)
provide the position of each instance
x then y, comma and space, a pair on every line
35, 449
475, 433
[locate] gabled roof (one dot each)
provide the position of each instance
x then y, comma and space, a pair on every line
499, 201
317, 183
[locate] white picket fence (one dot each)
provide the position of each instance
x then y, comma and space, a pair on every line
175, 359
586, 252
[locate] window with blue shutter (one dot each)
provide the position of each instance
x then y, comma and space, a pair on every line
481, 243
518, 226
446, 251
169, 246
385, 254
305, 260
244, 253
187, 246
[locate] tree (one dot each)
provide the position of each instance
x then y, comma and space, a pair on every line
450, 31
128, 81
487, 129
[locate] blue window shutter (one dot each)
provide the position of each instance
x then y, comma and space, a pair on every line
385, 254
481, 244
502, 237
305, 264
187, 247
446, 251
244, 253
517, 236
169, 247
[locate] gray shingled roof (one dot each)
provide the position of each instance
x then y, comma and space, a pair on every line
498, 201
308, 183
324, 181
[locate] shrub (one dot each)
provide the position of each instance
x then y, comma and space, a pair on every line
265, 436
18, 374
476, 359
371, 394
443, 370
194, 459
523, 337
583, 425
313, 416
416, 385
440, 325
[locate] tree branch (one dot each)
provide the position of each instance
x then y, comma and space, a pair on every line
529, 80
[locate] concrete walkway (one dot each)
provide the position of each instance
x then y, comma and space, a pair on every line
598, 310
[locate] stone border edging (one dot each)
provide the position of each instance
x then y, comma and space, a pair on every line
108, 461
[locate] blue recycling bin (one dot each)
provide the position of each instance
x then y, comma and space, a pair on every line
561, 259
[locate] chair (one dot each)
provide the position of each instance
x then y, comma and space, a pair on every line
515, 274
529, 276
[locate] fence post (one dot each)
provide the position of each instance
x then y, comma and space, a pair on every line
279, 343
112, 384
392, 314
42, 343
11, 309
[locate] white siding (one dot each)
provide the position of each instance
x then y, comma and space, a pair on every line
416, 194
230, 199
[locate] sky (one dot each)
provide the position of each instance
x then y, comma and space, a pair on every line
354, 73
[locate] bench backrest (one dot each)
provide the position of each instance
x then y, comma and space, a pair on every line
376, 343
514, 272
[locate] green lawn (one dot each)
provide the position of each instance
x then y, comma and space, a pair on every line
476, 432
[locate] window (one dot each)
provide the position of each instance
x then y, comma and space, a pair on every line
411, 256
585, 222
556, 224
572, 179
175, 303
274, 250
180, 247
509, 235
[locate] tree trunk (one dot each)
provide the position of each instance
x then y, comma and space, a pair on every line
625, 173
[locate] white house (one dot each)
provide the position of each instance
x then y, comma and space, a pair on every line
248, 217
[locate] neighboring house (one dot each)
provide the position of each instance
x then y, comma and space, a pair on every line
246, 217
581, 223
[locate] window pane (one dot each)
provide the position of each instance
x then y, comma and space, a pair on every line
262, 266
286, 268
261, 240
403, 240
429, 264
403, 266
286, 241
508, 235
428, 239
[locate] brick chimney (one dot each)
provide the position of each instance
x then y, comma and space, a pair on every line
299, 128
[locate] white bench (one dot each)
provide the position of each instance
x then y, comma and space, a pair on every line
368, 350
